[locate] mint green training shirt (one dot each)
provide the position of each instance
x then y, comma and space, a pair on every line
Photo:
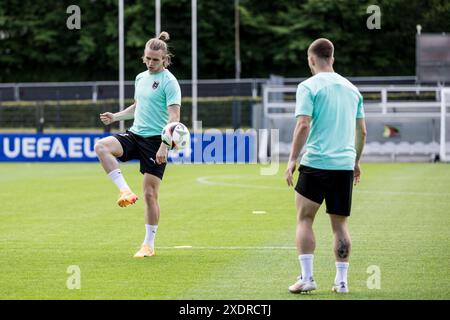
334, 104
153, 93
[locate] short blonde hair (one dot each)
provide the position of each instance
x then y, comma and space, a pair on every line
160, 43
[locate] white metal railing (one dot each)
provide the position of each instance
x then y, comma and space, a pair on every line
445, 99
279, 104
383, 105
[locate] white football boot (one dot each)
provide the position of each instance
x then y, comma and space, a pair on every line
342, 287
303, 286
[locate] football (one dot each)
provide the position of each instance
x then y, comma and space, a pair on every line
176, 136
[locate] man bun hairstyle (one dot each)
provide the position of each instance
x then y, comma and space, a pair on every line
160, 43
164, 36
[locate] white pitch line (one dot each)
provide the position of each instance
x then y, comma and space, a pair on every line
259, 212
418, 193
230, 248
207, 181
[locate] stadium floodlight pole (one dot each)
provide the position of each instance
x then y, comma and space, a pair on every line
121, 64
237, 57
237, 51
194, 63
157, 17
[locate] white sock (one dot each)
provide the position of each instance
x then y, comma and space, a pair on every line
150, 233
306, 262
117, 177
341, 272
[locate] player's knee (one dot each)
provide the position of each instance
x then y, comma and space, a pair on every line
305, 218
100, 148
150, 195
340, 230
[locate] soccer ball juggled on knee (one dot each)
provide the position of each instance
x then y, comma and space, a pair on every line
176, 136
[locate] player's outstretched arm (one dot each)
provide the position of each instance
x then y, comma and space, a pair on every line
108, 117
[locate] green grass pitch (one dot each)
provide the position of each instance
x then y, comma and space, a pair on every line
54, 216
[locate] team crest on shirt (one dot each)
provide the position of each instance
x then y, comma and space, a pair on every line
155, 85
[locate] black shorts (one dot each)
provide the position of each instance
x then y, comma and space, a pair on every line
335, 186
143, 149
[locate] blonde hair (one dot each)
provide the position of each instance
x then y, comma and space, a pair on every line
160, 43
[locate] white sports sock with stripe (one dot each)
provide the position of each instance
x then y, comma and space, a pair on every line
341, 272
117, 177
306, 262
150, 233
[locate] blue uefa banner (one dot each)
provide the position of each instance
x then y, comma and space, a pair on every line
48, 147
213, 147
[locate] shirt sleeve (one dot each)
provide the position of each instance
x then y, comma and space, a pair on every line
173, 93
135, 88
360, 110
303, 102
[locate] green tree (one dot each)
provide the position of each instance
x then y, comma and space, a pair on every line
36, 45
